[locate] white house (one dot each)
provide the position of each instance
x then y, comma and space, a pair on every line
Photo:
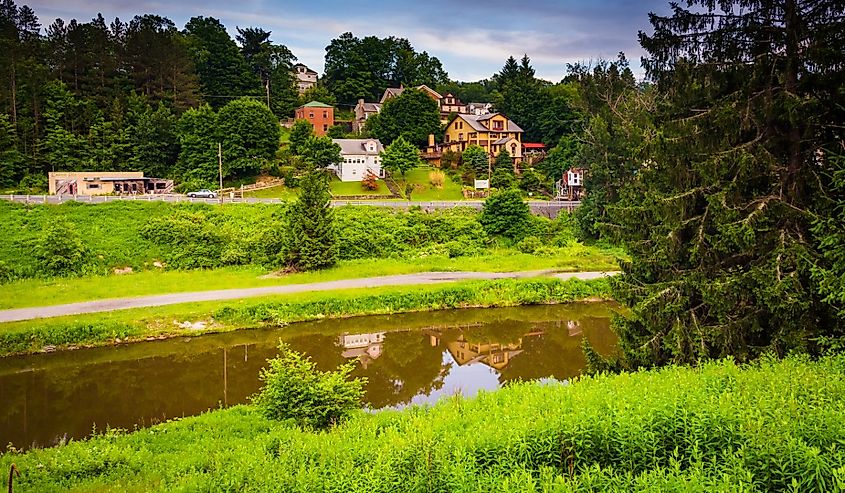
357, 157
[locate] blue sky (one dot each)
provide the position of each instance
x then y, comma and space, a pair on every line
471, 37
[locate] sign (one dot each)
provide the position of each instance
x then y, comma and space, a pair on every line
479, 184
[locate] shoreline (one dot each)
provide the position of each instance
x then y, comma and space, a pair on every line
73, 332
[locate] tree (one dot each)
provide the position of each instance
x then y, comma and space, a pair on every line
503, 160
717, 221
317, 93
198, 139
476, 159
152, 138
412, 115
223, 72
11, 161
60, 251
250, 136
300, 132
320, 152
505, 214
310, 243
273, 65
400, 157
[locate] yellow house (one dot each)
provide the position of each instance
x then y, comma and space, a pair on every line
492, 132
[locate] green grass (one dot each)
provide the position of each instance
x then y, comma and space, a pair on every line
163, 321
280, 192
768, 427
424, 190
337, 187
42, 292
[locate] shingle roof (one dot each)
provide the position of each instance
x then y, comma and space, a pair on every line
475, 122
503, 140
316, 104
357, 146
391, 92
372, 107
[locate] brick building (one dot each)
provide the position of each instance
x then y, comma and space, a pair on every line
320, 115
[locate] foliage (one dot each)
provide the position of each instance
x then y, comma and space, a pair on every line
60, 251
475, 158
319, 93
370, 181
400, 157
503, 160
413, 115
503, 177
273, 64
294, 389
198, 139
300, 132
718, 224
720, 427
450, 159
437, 179
530, 181
320, 152
529, 244
250, 135
829, 232
364, 68
506, 214
310, 237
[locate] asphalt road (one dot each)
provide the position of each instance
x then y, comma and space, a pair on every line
231, 294
538, 207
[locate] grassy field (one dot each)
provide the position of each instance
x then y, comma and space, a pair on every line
280, 192
218, 316
424, 190
769, 427
337, 187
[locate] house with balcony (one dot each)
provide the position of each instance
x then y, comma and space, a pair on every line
358, 157
493, 132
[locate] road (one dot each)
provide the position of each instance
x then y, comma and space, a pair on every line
231, 294
538, 207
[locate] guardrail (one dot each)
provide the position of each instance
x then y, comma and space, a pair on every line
540, 208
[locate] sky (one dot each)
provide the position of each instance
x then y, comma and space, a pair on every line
472, 38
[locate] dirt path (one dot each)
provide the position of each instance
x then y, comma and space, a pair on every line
231, 294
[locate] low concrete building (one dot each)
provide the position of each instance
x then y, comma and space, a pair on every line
105, 183
358, 157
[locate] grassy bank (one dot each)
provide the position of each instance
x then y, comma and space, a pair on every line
774, 426
137, 324
59, 290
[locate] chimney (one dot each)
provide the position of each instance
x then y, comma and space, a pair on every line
361, 102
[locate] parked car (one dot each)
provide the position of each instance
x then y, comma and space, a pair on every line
203, 194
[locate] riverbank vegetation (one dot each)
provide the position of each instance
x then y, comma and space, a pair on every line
157, 236
169, 321
767, 426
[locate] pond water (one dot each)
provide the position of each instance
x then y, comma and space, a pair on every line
412, 358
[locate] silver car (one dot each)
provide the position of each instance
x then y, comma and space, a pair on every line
203, 194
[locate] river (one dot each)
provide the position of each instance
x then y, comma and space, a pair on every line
412, 358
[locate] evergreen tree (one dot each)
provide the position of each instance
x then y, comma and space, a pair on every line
506, 214
300, 132
718, 220
273, 65
310, 242
476, 159
152, 137
11, 160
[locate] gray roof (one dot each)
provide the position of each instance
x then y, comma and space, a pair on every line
503, 140
357, 146
475, 122
391, 92
372, 107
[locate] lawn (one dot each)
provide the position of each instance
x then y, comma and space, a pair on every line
280, 192
424, 190
337, 187
43, 292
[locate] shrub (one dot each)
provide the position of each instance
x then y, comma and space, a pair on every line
370, 181
294, 389
505, 214
529, 244
311, 237
437, 179
60, 250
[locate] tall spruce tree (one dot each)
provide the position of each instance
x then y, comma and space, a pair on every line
310, 242
718, 221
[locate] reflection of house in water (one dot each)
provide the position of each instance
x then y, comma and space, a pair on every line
491, 354
574, 328
365, 347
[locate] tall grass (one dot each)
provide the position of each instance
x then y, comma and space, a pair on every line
774, 426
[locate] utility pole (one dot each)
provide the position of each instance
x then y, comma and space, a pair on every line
267, 87
220, 171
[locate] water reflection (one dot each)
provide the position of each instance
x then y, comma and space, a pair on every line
408, 359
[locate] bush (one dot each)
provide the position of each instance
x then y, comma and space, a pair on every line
437, 179
294, 389
60, 251
370, 181
529, 244
505, 214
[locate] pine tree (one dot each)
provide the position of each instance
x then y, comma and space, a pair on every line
400, 157
198, 139
310, 242
718, 221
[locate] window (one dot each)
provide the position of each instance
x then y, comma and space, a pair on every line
311, 115
325, 127
325, 114
93, 185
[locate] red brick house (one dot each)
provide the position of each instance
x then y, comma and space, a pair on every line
320, 115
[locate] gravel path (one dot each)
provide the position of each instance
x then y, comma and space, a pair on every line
231, 294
